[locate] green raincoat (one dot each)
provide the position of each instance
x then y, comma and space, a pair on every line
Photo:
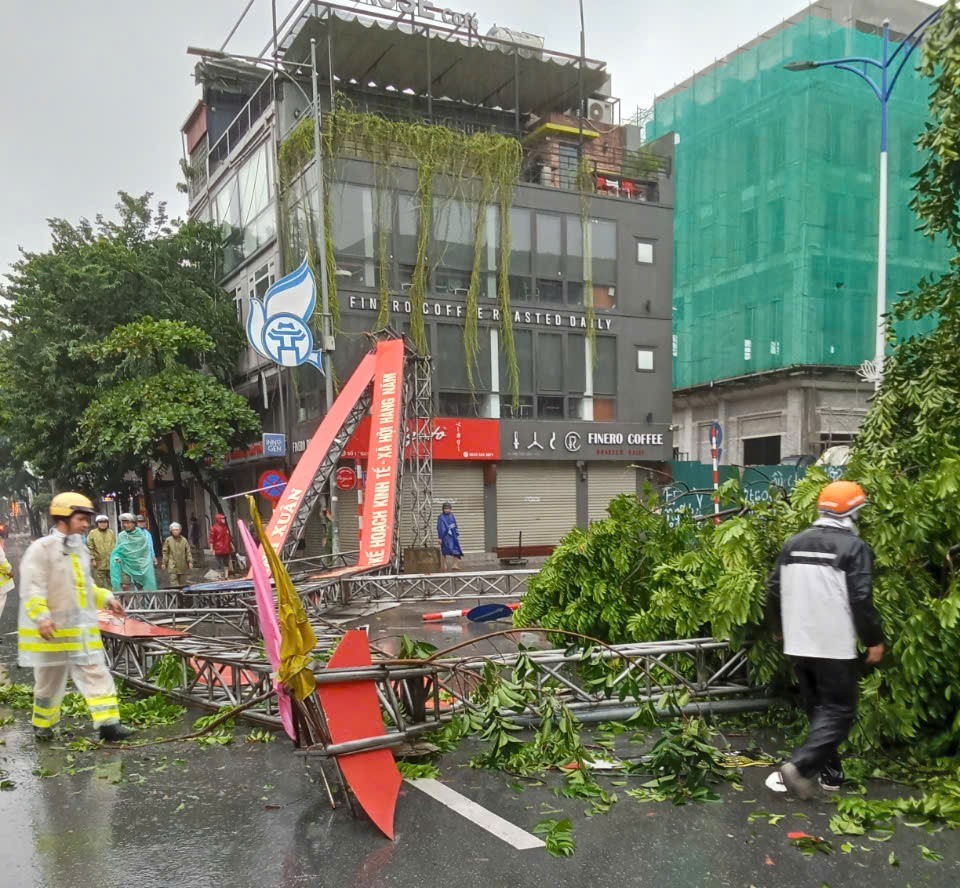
132, 556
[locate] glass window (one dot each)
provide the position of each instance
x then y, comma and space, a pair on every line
254, 186
644, 252
353, 233
604, 409
454, 222
573, 260
603, 251
550, 407
352, 344
568, 155
523, 340
522, 410
576, 363
450, 368
645, 359
550, 362
457, 404
521, 265
605, 370
549, 246
405, 245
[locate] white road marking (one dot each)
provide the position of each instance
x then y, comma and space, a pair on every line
492, 823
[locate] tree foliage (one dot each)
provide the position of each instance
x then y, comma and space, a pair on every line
636, 577
60, 306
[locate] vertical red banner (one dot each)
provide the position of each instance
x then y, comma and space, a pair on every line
384, 449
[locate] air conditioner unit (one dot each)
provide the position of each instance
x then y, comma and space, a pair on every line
601, 112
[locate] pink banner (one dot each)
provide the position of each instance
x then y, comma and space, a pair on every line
384, 451
269, 625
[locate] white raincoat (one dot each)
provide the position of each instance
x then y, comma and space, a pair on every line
56, 582
6, 578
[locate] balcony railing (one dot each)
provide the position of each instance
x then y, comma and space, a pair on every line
241, 125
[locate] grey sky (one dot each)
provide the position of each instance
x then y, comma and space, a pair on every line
95, 91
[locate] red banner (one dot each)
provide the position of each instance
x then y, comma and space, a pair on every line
383, 449
453, 439
306, 470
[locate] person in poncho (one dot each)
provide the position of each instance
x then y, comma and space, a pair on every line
449, 535
132, 556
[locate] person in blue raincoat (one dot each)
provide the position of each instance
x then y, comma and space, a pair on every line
132, 556
449, 535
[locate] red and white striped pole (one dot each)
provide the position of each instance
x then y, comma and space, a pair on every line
437, 616
716, 473
359, 500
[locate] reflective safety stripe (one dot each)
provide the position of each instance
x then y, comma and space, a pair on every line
108, 700
105, 711
79, 580
58, 646
36, 606
45, 717
57, 633
100, 596
45, 710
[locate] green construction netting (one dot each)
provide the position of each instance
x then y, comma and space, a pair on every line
776, 206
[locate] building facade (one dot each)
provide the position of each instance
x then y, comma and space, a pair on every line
589, 265
776, 232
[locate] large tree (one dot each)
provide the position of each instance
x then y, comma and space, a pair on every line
156, 405
95, 277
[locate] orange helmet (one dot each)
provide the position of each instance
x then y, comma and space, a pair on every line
841, 498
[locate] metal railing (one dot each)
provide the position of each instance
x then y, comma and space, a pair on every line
248, 115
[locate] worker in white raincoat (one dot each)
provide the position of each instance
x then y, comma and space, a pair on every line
59, 635
6, 578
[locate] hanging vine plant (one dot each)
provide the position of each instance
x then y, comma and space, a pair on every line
482, 169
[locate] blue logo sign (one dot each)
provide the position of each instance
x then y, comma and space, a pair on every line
278, 327
274, 445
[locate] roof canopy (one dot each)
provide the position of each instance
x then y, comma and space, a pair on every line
440, 61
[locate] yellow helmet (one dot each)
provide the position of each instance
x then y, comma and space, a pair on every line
63, 505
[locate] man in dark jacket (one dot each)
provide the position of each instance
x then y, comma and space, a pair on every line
821, 593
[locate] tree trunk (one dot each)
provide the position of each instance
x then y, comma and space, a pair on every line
151, 509
179, 489
204, 483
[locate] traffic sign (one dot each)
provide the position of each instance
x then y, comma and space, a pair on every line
271, 483
346, 478
274, 445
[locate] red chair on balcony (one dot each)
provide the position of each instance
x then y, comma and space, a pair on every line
630, 190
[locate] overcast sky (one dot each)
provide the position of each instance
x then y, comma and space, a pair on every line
95, 91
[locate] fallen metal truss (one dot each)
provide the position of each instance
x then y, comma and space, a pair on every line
428, 587
321, 480
418, 443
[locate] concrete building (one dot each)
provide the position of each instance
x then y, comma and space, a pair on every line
776, 233
553, 458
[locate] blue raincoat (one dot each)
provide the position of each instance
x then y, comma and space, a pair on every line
132, 556
449, 535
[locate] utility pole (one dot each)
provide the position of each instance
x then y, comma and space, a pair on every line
326, 333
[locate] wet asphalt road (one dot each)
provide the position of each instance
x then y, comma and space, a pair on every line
250, 814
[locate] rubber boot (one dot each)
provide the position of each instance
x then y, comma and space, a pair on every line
115, 732
43, 735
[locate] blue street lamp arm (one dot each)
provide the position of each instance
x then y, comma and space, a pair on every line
914, 37
842, 65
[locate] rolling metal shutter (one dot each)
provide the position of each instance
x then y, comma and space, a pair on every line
539, 499
347, 520
604, 482
460, 484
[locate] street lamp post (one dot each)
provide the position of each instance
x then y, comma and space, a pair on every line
889, 68
327, 344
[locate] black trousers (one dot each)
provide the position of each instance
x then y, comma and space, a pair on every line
829, 691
